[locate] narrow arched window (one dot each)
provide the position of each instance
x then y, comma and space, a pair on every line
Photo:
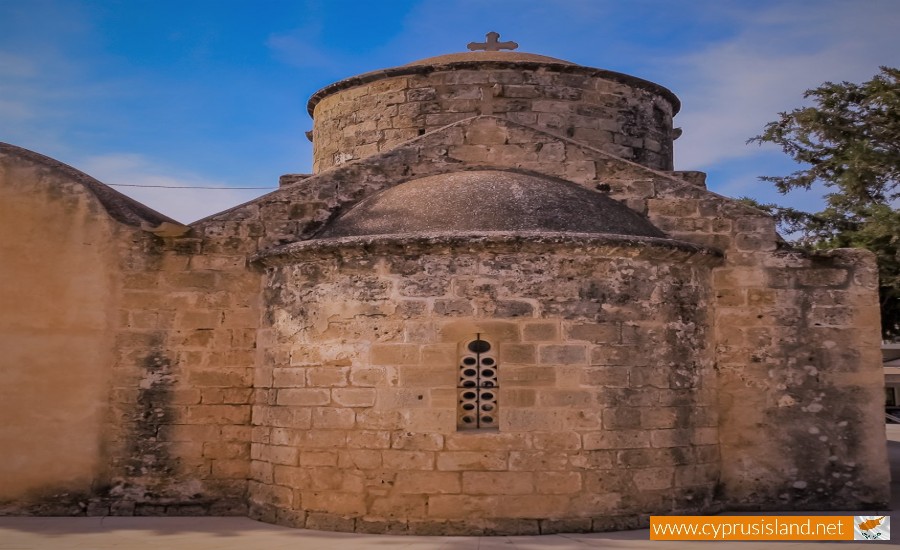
478, 406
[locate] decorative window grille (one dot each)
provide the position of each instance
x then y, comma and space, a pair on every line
478, 386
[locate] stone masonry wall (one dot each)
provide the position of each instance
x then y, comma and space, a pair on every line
181, 398
796, 339
685, 210
746, 289
58, 262
355, 420
128, 356
800, 380
628, 121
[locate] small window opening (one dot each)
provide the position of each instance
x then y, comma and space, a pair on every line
478, 386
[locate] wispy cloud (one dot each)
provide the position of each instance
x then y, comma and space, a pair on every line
185, 205
730, 89
298, 49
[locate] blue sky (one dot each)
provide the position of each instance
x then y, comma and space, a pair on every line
213, 93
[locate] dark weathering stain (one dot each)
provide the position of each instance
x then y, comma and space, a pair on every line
148, 465
148, 456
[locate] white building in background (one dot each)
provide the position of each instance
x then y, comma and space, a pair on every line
891, 357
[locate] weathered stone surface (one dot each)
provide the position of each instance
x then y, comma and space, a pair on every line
377, 111
505, 201
248, 367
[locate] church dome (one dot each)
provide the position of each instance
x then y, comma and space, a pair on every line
371, 113
486, 201
482, 56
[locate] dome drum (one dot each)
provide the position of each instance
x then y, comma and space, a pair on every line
622, 115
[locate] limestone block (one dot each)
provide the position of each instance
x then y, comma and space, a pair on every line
615, 377
463, 441
488, 133
537, 461
515, 397
395, 354
362, 459
318, 458
230, 469
304, 396
534, 505
368, 376
566, 398
524, 376
217, 414
417, 441
228, 396
353, 397
275, 454
422, 482
497, 483
568, 354
609, 481
653, 479
408, 460
598, 333
327, 376
462, 506
671, 437
369, 439
540, 331
419, 376
616, 439
288, 377
330, 522
472, 461
334, 502
322, 439
333, 418
542, 419
822, 277
559, 483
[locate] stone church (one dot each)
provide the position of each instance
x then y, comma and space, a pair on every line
493, 308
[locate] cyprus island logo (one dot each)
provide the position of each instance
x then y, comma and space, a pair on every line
872, 528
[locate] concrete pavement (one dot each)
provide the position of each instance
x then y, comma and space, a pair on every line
153, 533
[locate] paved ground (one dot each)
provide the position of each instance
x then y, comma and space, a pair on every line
244, 534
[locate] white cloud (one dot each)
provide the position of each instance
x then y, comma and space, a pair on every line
184, 205
731, 89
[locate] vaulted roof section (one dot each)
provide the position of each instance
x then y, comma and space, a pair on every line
486, 201
121, 208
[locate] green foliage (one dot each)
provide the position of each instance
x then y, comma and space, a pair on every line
849, 141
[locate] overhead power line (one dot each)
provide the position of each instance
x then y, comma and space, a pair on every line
183, 186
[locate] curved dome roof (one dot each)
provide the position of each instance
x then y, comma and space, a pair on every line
488, 201
120, 207
511, 57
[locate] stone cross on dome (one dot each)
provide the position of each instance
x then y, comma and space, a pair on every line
492, 45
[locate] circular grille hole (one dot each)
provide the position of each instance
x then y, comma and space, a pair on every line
479, 346
469, 395
487, 372
469, 361
468, 419
468, 384
487, 419
487, 407
470, 372
468, 406
487, 384
487, 361
487, 395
